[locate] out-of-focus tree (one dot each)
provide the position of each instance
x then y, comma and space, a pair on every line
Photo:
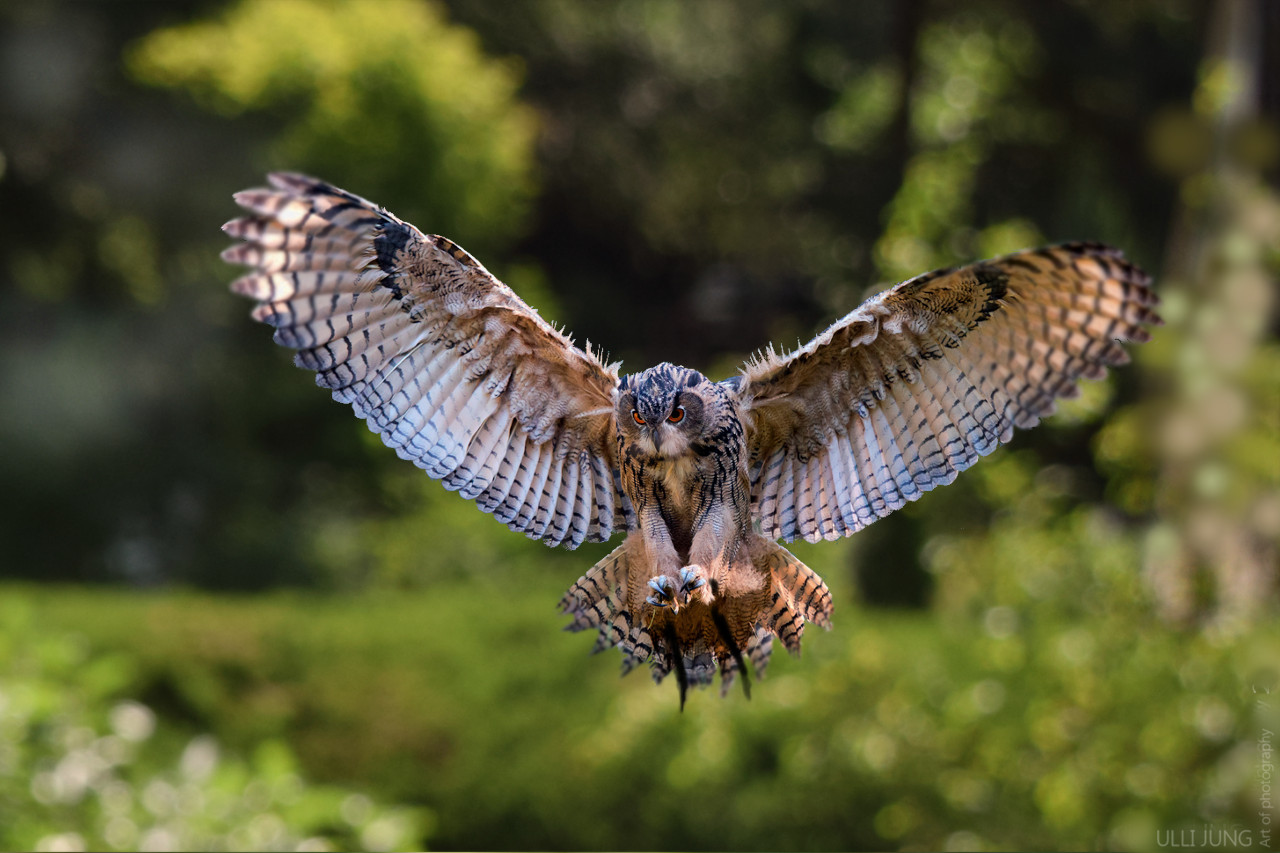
385, 96
1215, 551
737, 164
1188, 470
143, 406
797, 154
712, 177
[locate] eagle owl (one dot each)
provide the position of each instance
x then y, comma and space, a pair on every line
466, 381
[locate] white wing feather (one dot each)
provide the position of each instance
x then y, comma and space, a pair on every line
443, 361
922, 380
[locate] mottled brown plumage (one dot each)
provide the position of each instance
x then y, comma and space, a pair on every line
462, 378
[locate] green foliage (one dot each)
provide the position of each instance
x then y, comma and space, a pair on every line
1056, 712
386, 97
84, 768
143, 365
968, 101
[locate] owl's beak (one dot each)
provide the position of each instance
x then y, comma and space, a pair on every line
654, 431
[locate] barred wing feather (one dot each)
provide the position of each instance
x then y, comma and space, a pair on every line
920, 381
445, 362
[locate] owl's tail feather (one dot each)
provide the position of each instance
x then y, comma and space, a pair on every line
738, 636
756, 652
735, 655
799, 595
676, 654
599, 600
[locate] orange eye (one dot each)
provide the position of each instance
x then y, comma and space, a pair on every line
677, 416
636, 416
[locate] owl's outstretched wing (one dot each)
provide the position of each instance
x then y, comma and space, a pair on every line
444, 361
921, 380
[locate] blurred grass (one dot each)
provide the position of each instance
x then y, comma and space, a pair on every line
84, 766
1004, 730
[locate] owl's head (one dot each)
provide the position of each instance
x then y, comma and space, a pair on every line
667, 410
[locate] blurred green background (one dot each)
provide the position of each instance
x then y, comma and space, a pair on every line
230, 618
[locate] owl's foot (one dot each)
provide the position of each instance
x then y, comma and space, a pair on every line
676, 593
664, 591
690, 579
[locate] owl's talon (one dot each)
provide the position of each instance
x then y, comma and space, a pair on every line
664, 591
690, 579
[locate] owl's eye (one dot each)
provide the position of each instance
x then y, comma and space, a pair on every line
677, 416
636, 415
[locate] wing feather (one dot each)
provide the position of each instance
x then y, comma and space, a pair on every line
843, 519
443, 361
922, 380
826, 498
561, 511
555, 501
580, 517
476, 472
510, 470
806, 473
517, 508
605, 508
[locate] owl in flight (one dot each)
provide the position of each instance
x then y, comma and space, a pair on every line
466, 381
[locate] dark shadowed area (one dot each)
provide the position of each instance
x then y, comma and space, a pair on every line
231, 619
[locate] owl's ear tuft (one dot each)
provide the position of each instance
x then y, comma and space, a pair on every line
733, 384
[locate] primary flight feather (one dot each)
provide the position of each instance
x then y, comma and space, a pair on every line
465, 380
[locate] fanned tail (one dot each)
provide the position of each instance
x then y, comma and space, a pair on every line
734, 633
798, 595
598, 600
